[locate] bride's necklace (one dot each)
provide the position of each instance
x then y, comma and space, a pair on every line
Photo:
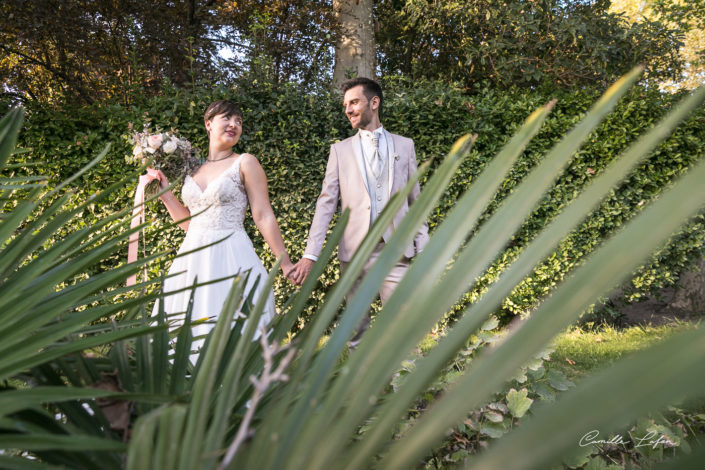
219, 159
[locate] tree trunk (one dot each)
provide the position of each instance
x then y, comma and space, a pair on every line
355, 49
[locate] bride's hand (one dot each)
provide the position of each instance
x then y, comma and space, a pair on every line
287, 267
164, 184
290, 273
301, 270
163, 180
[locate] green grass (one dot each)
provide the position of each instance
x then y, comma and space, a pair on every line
580, 351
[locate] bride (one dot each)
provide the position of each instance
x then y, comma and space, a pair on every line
217, 195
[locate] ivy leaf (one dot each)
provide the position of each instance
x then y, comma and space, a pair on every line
596, 463
488, 336
490, 324
579, 458
494, 417
545, 354
558, 380
501, 407
470, 424
664, 436
408, 366
520, 377
518, 402
493, 430
537, 374
534, 364
545, 392
458, 455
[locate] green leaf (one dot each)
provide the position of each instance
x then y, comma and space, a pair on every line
15, 400
558, 380
579, 457
494, 417
38, 442
596, 463
544, 391
493, 430
490, 324
518, 402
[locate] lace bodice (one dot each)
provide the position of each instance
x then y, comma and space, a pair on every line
221, 206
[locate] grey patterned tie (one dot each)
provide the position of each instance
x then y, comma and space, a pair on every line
376, 157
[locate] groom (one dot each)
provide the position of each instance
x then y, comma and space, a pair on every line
364, 170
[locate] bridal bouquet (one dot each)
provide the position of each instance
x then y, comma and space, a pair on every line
169, 153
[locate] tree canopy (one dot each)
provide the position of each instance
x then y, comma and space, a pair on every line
85, 50
687, 19
519, 42
92, 49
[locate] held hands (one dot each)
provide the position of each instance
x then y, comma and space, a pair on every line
300, 271
287, 267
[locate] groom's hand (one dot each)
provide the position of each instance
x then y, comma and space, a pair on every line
300, 272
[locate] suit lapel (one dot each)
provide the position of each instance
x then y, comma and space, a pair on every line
392, 158
357, 151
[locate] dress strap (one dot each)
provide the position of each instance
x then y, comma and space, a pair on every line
235, 169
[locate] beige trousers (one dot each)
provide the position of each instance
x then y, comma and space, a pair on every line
386, 290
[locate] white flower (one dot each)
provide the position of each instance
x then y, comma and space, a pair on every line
137, 150
170, 146
155, 141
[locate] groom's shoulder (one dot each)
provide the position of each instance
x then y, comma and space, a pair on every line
346, 141
407, 140
343, 144
401, 140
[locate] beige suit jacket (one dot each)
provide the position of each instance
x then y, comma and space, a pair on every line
345, 180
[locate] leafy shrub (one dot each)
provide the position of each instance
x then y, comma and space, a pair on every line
290, 133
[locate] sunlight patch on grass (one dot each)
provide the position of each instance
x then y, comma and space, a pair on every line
579, 352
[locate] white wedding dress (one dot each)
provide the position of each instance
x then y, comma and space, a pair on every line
217, 212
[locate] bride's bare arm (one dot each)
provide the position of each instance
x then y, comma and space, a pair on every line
177, 211
256, 186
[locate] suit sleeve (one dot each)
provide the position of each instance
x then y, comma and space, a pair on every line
422, 236
326, 205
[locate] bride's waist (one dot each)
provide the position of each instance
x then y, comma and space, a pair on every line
202, 230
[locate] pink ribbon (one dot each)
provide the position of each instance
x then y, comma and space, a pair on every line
138, 217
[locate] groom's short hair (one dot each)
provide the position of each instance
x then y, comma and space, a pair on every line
222, 107
370, 88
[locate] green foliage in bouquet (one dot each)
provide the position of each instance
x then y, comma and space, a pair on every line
250, 405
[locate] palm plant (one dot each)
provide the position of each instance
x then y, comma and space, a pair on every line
50, 316
268, 404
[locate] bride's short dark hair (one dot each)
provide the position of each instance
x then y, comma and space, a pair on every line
222, 107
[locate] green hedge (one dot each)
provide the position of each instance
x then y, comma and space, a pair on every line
290, 133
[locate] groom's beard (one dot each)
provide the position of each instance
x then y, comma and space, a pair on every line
364, 119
